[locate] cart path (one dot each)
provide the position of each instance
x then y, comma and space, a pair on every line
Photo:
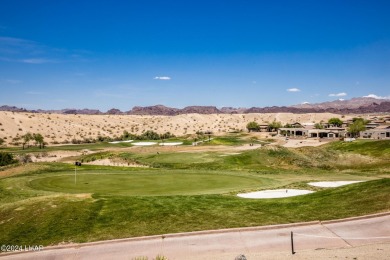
255, 243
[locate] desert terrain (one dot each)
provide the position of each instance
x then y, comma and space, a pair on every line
60, 128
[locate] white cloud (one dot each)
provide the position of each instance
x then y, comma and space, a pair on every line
37, 61
376, 96
13, 81
293, 90
342, 94
35, 93
31, 52
341, 99
305, 103
162, 78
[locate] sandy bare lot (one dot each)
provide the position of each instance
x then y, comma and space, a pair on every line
59, 128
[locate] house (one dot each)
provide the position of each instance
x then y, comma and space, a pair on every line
371, 125
331, 132
346, 123
263, 127
296, 125
293, 132
377, 133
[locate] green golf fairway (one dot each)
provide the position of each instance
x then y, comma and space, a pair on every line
147, 184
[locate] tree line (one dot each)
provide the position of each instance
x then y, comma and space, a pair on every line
26, 139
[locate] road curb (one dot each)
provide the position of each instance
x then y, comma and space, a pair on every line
355, 218
205, 232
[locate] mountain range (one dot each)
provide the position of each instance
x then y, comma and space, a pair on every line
352, 106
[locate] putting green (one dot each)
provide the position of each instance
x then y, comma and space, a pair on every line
147, 184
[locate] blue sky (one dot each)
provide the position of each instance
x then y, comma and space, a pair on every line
106, 54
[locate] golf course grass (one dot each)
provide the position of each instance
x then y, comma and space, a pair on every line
146, 183
40, 203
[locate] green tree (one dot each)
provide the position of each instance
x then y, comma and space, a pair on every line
150, 135
356, 127
200, 135
274, 126
38, 138
253, 126
125, 135
335, 121
166, 135
6, 159
318, 126
26, 139
364, 121
208, 133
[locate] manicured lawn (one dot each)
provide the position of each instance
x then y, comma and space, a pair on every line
148, 183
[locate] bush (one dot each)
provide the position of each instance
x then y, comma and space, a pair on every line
25, 158
6, 159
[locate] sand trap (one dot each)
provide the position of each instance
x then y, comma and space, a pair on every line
118, 142
144, 143
228, 154
270, 194
327, 184
171, 144
108, 162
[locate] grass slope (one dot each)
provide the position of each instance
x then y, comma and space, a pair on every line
54, 220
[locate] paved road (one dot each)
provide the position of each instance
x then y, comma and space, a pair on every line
229, 244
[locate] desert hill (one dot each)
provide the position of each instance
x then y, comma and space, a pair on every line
351, 106
59, 128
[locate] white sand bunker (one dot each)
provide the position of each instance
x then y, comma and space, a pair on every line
228, 154
144, 143
171, 144
332, 184
270, 194
118, 142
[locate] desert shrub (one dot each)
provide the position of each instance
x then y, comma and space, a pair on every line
25, 158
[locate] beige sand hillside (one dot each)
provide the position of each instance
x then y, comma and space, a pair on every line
59, 128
